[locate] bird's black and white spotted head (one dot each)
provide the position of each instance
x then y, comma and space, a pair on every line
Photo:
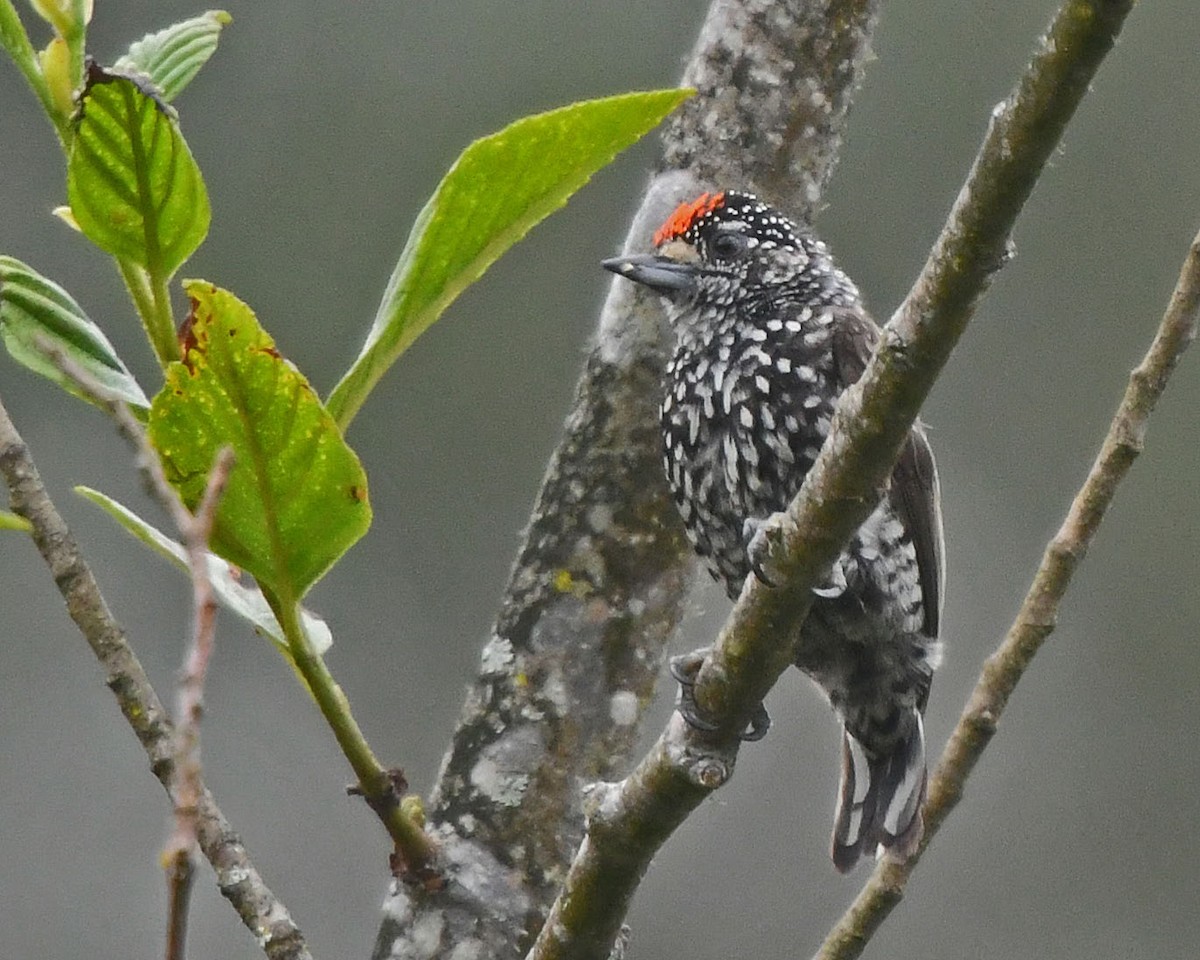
730, 247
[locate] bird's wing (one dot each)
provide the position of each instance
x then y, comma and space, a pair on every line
917, 499
914, 490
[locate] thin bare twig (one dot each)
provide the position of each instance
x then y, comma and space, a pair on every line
179, 853
1039, 612
630, 820
237, 877
180, 868
195, 529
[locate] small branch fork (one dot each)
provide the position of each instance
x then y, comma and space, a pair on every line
178, 856
179, 853
1039, 612
628, 821
173, 752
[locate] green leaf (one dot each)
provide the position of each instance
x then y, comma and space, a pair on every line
171, 57
134, 189
247, 602
34, 309
499, 188
10, 521
297, 497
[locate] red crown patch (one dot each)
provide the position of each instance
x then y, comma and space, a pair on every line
686, 214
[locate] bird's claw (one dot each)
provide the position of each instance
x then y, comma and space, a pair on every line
762, 537
760, 723
835, 585
684, 669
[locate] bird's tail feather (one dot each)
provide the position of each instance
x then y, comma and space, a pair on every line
879, 800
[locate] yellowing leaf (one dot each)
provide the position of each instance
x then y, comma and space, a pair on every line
297, 497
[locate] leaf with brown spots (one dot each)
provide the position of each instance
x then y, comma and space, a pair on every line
297, 497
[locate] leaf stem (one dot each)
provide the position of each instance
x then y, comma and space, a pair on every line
161, 325
376, 784
152, 298
15, 40
76, 38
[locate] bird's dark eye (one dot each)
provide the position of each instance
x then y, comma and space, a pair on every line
729, 246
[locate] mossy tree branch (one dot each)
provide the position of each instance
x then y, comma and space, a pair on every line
1039, 612
598, 586
628, 821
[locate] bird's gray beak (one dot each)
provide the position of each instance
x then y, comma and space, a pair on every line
661, 274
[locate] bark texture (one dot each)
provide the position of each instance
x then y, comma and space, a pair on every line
598, 586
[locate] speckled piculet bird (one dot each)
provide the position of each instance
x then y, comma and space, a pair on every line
769, 332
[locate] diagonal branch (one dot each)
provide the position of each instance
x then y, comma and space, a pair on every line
876, 414
598, 586
1039, 612
238, 878
630, 820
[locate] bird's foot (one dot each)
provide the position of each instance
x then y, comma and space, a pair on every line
684, 669
835, 584
763, 537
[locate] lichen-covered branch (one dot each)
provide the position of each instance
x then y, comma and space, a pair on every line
1038, 615
237, 877
597, 588
774, 84
632, 818
187, 784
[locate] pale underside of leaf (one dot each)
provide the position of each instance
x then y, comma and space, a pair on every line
172, 57
242, 599
37, 315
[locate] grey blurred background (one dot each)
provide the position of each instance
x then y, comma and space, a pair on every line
321, 129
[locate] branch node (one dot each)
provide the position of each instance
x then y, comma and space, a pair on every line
985, 722
1009, 253
709, 772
